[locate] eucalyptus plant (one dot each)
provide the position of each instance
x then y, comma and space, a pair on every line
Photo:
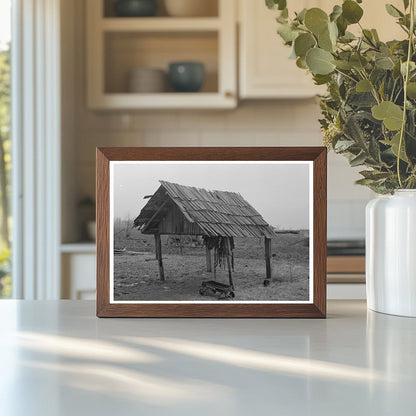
369, 111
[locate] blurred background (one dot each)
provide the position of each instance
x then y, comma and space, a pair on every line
145, 73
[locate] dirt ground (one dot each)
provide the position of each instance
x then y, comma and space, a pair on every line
136, 273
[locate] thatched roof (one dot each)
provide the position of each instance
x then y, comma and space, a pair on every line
213, 213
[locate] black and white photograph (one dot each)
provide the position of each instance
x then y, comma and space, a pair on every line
211, 232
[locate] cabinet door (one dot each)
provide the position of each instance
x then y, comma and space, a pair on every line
265, 68
78, 276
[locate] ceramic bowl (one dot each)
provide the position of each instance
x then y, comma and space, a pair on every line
147, 80
135, 8
186, 76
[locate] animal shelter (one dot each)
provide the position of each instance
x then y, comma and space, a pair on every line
217, 216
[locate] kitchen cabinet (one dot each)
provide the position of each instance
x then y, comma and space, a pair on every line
264, 65
118, 45
265, 70
346, 277
78, 263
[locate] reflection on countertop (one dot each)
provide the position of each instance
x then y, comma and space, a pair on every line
355, 362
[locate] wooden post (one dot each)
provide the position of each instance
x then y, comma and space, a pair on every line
208, 256
268, 255
230, 275
215, 264
156, 252
158, 244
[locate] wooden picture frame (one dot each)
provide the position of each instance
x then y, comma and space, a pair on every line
313, 307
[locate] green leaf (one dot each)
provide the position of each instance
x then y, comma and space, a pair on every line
358, 61
396, 70
405, 21
301, 63
347, 37
344, 65
287, 33
320, 61
316, 20
282, 20
362, 99
394, 145
301, 15
365, 182
412, 67
406, 4
321, 79
391, 114
368, 36
333, 32
382, 89
375, 35
343, 145
384, 62
354, 132
303, 43
271, 4
363, 86
374, 150
325, 42
352, 12
374, 174
342, 25
336, 12
411, 90
282, 4
276, 4
393, 11
358, 160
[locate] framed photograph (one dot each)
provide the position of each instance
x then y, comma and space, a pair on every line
211, 232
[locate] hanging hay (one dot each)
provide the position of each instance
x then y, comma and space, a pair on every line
223, 248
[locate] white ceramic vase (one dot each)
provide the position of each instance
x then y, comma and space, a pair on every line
391, 253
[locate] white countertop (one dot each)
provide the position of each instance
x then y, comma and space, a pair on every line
57, 358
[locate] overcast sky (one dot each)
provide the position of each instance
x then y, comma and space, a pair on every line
280, 192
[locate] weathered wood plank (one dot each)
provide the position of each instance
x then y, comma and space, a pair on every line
208, 256
158, 242
154, 216
230, 274
268, 255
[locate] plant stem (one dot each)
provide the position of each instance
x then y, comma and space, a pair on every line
373, 88
406, 80
346, 75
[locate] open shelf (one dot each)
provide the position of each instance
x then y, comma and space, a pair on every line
119, 45
211, 9
81, 247
160, 24
167, 100
127, 51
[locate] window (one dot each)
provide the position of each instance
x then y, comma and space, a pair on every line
5, 147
